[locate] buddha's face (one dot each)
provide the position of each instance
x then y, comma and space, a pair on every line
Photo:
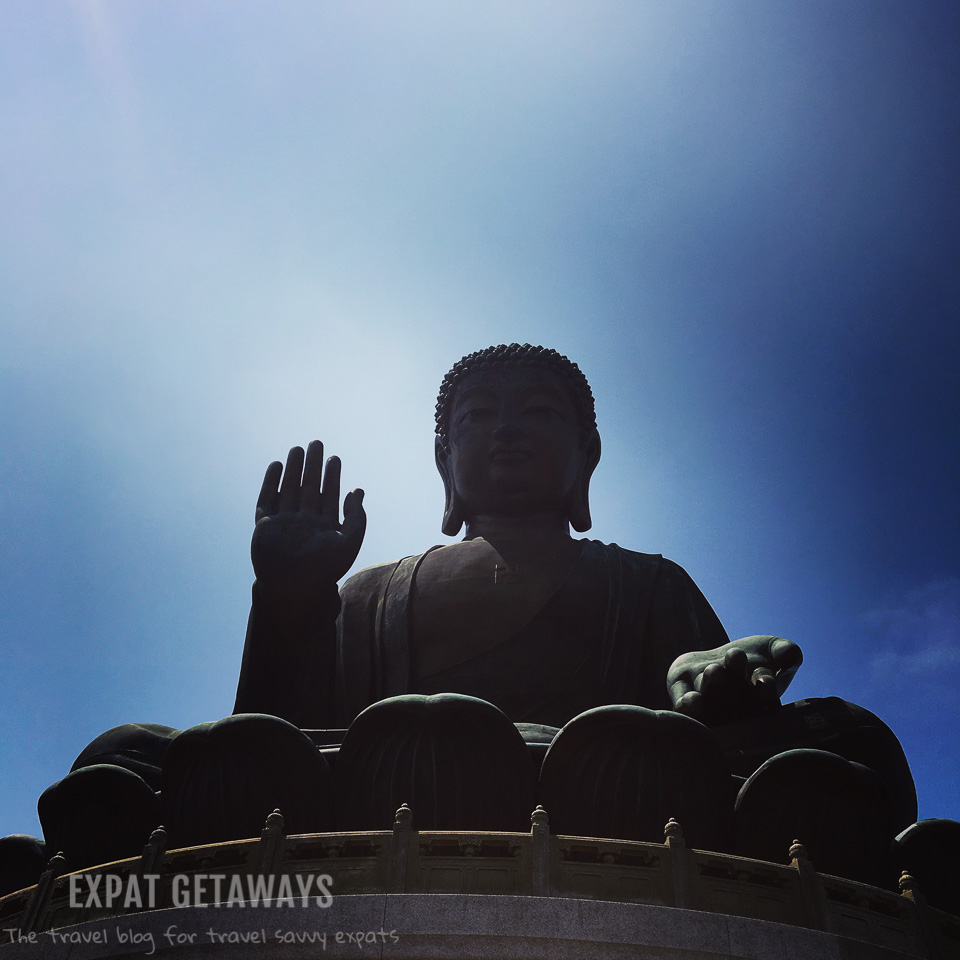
514, 442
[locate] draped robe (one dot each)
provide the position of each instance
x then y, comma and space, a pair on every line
608, 635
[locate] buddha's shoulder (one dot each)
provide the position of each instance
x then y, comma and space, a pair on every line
449, 555
650, 564
373, 580
368, 580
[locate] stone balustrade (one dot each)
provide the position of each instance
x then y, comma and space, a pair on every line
535, 864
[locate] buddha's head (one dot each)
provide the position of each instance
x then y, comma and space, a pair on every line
516, 436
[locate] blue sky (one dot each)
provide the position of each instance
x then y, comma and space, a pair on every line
226, 228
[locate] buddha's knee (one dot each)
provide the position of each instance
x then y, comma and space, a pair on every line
829, 724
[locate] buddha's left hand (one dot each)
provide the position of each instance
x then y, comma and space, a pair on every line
741, 679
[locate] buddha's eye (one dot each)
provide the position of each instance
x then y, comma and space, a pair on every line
543, 410
475, 415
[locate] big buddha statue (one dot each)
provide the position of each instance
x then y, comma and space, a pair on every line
589, 648
517, 666
518, 613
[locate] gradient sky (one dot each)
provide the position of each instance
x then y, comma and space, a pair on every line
230, 227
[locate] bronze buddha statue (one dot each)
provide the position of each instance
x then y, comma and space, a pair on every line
517, 666
544, 627
519, 612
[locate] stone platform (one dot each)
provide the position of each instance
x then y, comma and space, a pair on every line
459, 894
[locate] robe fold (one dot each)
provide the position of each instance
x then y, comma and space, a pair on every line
608, 635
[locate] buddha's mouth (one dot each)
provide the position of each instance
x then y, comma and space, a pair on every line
510, 455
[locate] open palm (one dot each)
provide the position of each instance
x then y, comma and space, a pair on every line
298, 539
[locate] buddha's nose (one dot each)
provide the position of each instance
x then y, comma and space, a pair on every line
507, 429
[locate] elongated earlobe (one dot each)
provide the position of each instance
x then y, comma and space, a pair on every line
578, 510
452, 508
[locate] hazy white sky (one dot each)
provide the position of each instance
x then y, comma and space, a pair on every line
226, 228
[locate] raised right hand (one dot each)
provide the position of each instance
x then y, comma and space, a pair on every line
298, 539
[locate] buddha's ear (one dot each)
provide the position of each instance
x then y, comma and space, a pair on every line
452, 508
579, 508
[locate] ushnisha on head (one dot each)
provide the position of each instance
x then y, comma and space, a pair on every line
516, 435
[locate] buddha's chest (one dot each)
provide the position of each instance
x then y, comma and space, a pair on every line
467, 599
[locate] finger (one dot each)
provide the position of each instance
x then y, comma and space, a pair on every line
267, 501
354, 519
290, 485
692, 705
785, 654
678, 690
735, 663
787, 657
765, 683
330, 499
713, 678
312, 468
683, 669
